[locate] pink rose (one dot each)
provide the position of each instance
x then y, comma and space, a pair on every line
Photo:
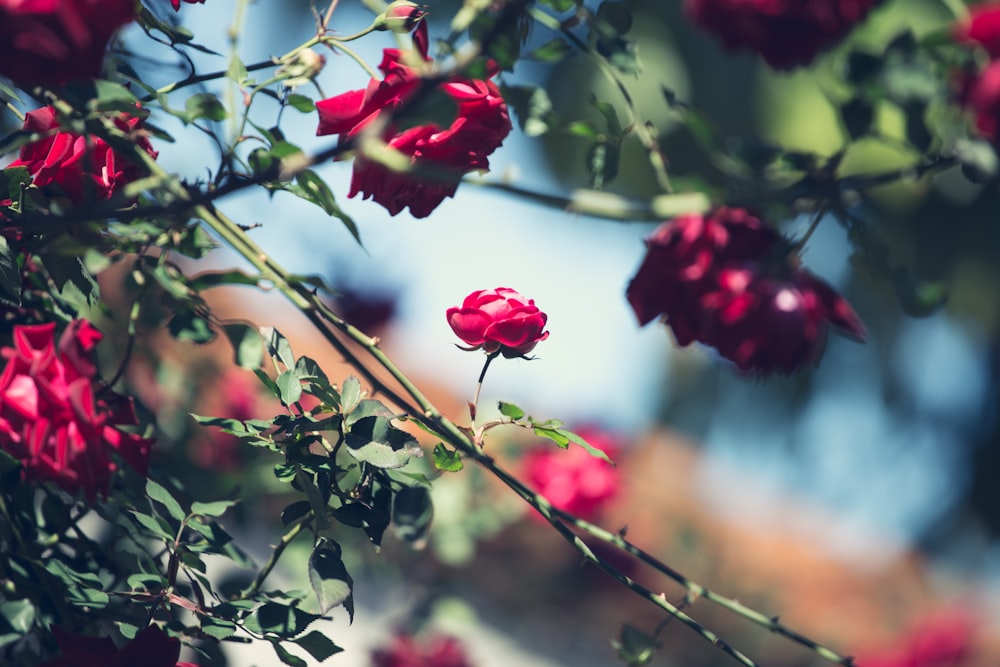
47, 42
727, 280
499, 320
177, 3
55, 419
572, 479
787, 33
151, 648
480, 126
84, 167
943, 639
982, 27
436, 651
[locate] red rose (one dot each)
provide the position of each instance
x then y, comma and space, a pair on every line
572, 479
787, 33
54, 41
84, 167
406, 651
150, 648
982, 27
55, 420
480, 126
177, 3
499, 320
944, 639
729, 281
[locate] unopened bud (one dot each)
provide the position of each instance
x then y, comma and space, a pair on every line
306, 65
401, 16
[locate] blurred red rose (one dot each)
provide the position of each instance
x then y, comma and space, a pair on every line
787, 33
55, 420
499, 320
150, 648
177, 3
572, 479
435, 651
944, 639
84, 167
729, 281
982, 27
47, 42
480, 126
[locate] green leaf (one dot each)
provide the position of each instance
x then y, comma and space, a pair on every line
247, 343
577, 440
192, 328
204, 105
217, 629
237, 71
294, 511
289, 387
146, 581
311, 187
301, 103
215, 508
318, 645
376, 441
857, 115
603, 160
532, 107
110, 96
19, 614
286, 657
156, 525
10, 276
555, 435
329, 578
280, 620
70, 271
447, 459
412, 512
510, 410
552, 51
160, 494
634, 646
279, 347
978, 160
367, 407
350, 394
561, 5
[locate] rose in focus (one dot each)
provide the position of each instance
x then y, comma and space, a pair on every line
53, 417
480, 126
54, 41
499, 320
150, 648
572, 479
727, 280
85, 168
786, 33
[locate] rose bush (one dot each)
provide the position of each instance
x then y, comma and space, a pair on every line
731, 282
56, 420
55, 41
499, 320
151, 648
83, 167
479, 128
786, 33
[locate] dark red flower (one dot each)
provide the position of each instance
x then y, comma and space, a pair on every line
729, 281
944, 639
787, 33
53, 420
47, 42
435, 651
480, 126
151, 648
572, 479
177, 3
982, 27
84, 167
499, 320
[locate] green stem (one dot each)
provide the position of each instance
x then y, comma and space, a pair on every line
639, 126
474, 406
336, 43
286, 539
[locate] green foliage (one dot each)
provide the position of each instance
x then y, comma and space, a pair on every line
550, 429
329, 578
634, 647
447, 459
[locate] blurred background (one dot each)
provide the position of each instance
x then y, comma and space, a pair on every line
858, 500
